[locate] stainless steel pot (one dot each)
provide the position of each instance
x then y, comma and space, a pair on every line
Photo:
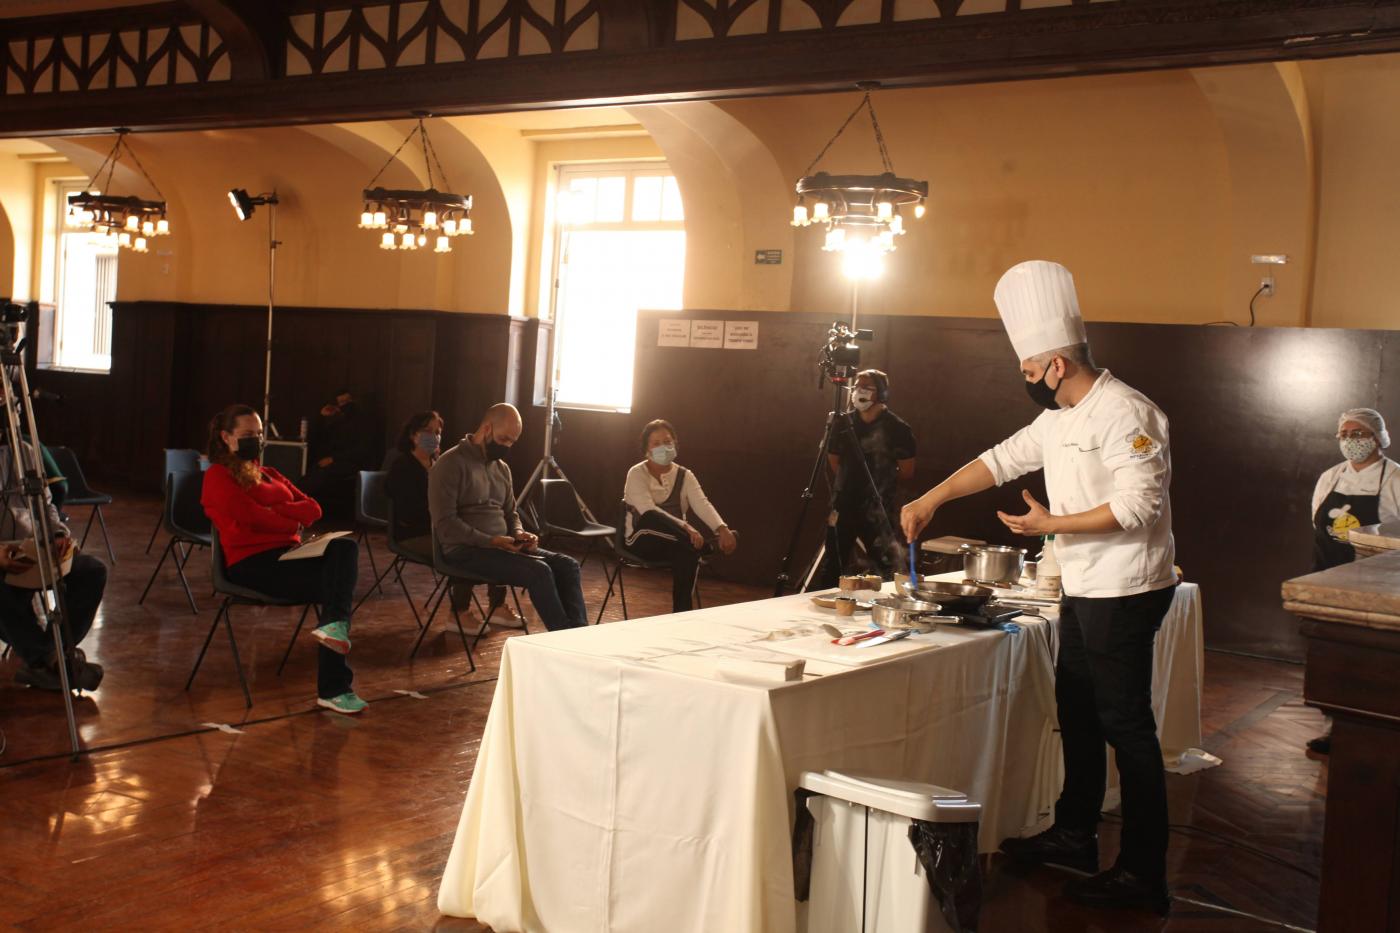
993, 563
895, 613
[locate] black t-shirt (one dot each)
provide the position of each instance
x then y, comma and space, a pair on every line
885, 441
407, 487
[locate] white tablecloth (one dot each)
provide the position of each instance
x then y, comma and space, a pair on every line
624, 784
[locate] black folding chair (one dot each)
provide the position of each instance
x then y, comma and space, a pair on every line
371, 513
80, 493
186, 523
626, 558
402, 557
177, 460
235, 595
560, 516
451, 575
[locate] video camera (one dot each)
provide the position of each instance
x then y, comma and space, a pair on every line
839, 359
12, 318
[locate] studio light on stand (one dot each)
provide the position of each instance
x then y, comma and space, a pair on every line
244, 205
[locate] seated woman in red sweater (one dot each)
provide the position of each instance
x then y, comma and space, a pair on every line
259, 515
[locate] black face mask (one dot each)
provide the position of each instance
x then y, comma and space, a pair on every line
495, 451
249, 448
1041, 393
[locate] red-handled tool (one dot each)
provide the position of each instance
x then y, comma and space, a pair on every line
852, 639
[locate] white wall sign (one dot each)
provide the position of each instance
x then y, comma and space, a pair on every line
741, 335
707, 334
673, 334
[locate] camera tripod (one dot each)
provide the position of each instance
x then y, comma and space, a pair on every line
548, 465
26, 479
837, 420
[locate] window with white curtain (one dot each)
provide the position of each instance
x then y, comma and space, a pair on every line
85, 280
619, 249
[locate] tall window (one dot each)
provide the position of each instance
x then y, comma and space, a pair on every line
620, 249
85, 279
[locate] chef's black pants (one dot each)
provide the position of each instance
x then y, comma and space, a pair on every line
1103, 689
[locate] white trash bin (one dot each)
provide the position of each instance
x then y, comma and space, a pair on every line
866, 875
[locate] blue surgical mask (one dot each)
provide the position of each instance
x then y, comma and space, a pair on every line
429, 443
662, 454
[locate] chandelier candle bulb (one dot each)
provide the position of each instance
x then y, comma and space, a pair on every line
897, 225
443, 245
799, 216
919, 211
381, 220
821, 211
162, 227
140, 245
148, 228
449, 226
465, 226
422, 239
884, 210
133, 222
430, 220
366, 220
408, 242
124, 239
386, 241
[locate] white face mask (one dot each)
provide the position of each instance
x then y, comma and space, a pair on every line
1357, 449
662, 454
862, 399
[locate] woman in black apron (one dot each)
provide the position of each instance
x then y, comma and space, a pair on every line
1361, 434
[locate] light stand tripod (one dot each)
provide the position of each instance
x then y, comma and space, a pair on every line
26, 479
244, 205
547, 463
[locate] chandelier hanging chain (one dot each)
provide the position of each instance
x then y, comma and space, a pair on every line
390, 161
92, 182
879, 136
132, 152
427, 163
429, 147
864, 104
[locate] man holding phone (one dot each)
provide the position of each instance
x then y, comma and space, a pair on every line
83, 586
471, 498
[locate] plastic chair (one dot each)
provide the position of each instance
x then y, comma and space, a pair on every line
626, 558
186, 523
177, 460
453, 575
371, 513
80, 493
401, 559
235, 595
561, 515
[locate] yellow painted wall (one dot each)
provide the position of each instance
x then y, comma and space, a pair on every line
1153, 188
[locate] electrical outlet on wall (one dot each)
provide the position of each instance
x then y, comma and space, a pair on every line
1268, 260
1266, 286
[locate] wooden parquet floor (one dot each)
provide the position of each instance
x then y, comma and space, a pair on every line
307, 820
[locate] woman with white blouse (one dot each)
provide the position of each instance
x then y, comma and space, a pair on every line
661, 495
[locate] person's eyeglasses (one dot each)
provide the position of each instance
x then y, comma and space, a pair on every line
1353, 435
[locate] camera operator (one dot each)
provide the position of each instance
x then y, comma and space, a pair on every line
862, 514
83, 587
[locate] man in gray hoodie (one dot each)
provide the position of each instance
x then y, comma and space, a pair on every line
471, 499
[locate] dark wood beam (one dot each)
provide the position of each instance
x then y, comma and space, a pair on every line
1079, 40
254, 33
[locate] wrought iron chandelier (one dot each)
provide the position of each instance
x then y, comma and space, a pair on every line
407, 218
126, 221
861, 213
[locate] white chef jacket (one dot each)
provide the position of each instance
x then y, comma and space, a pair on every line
1111, 447
1365, 482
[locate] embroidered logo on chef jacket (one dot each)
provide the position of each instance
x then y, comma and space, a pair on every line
1343, 522
1140, 446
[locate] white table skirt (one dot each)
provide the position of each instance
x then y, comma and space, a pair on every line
622, 784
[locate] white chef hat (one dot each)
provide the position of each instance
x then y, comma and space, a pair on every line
1371, 419
1039, 308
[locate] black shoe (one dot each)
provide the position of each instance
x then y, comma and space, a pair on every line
85, 675
1066, 847
1322, 745
1119, 887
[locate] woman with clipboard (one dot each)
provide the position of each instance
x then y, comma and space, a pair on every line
259, 515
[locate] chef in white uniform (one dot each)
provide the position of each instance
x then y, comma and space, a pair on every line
1104, 449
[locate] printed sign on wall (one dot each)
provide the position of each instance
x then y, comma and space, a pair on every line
673, 334
707, 334
741, 335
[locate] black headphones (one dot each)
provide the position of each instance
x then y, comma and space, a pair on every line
882, 384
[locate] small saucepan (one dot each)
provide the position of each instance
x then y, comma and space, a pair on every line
953, 597
992, 563
895, 613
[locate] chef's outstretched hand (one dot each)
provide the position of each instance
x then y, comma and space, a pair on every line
914, 517
1034, 523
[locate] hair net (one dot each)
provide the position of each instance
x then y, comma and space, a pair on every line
1371, 419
